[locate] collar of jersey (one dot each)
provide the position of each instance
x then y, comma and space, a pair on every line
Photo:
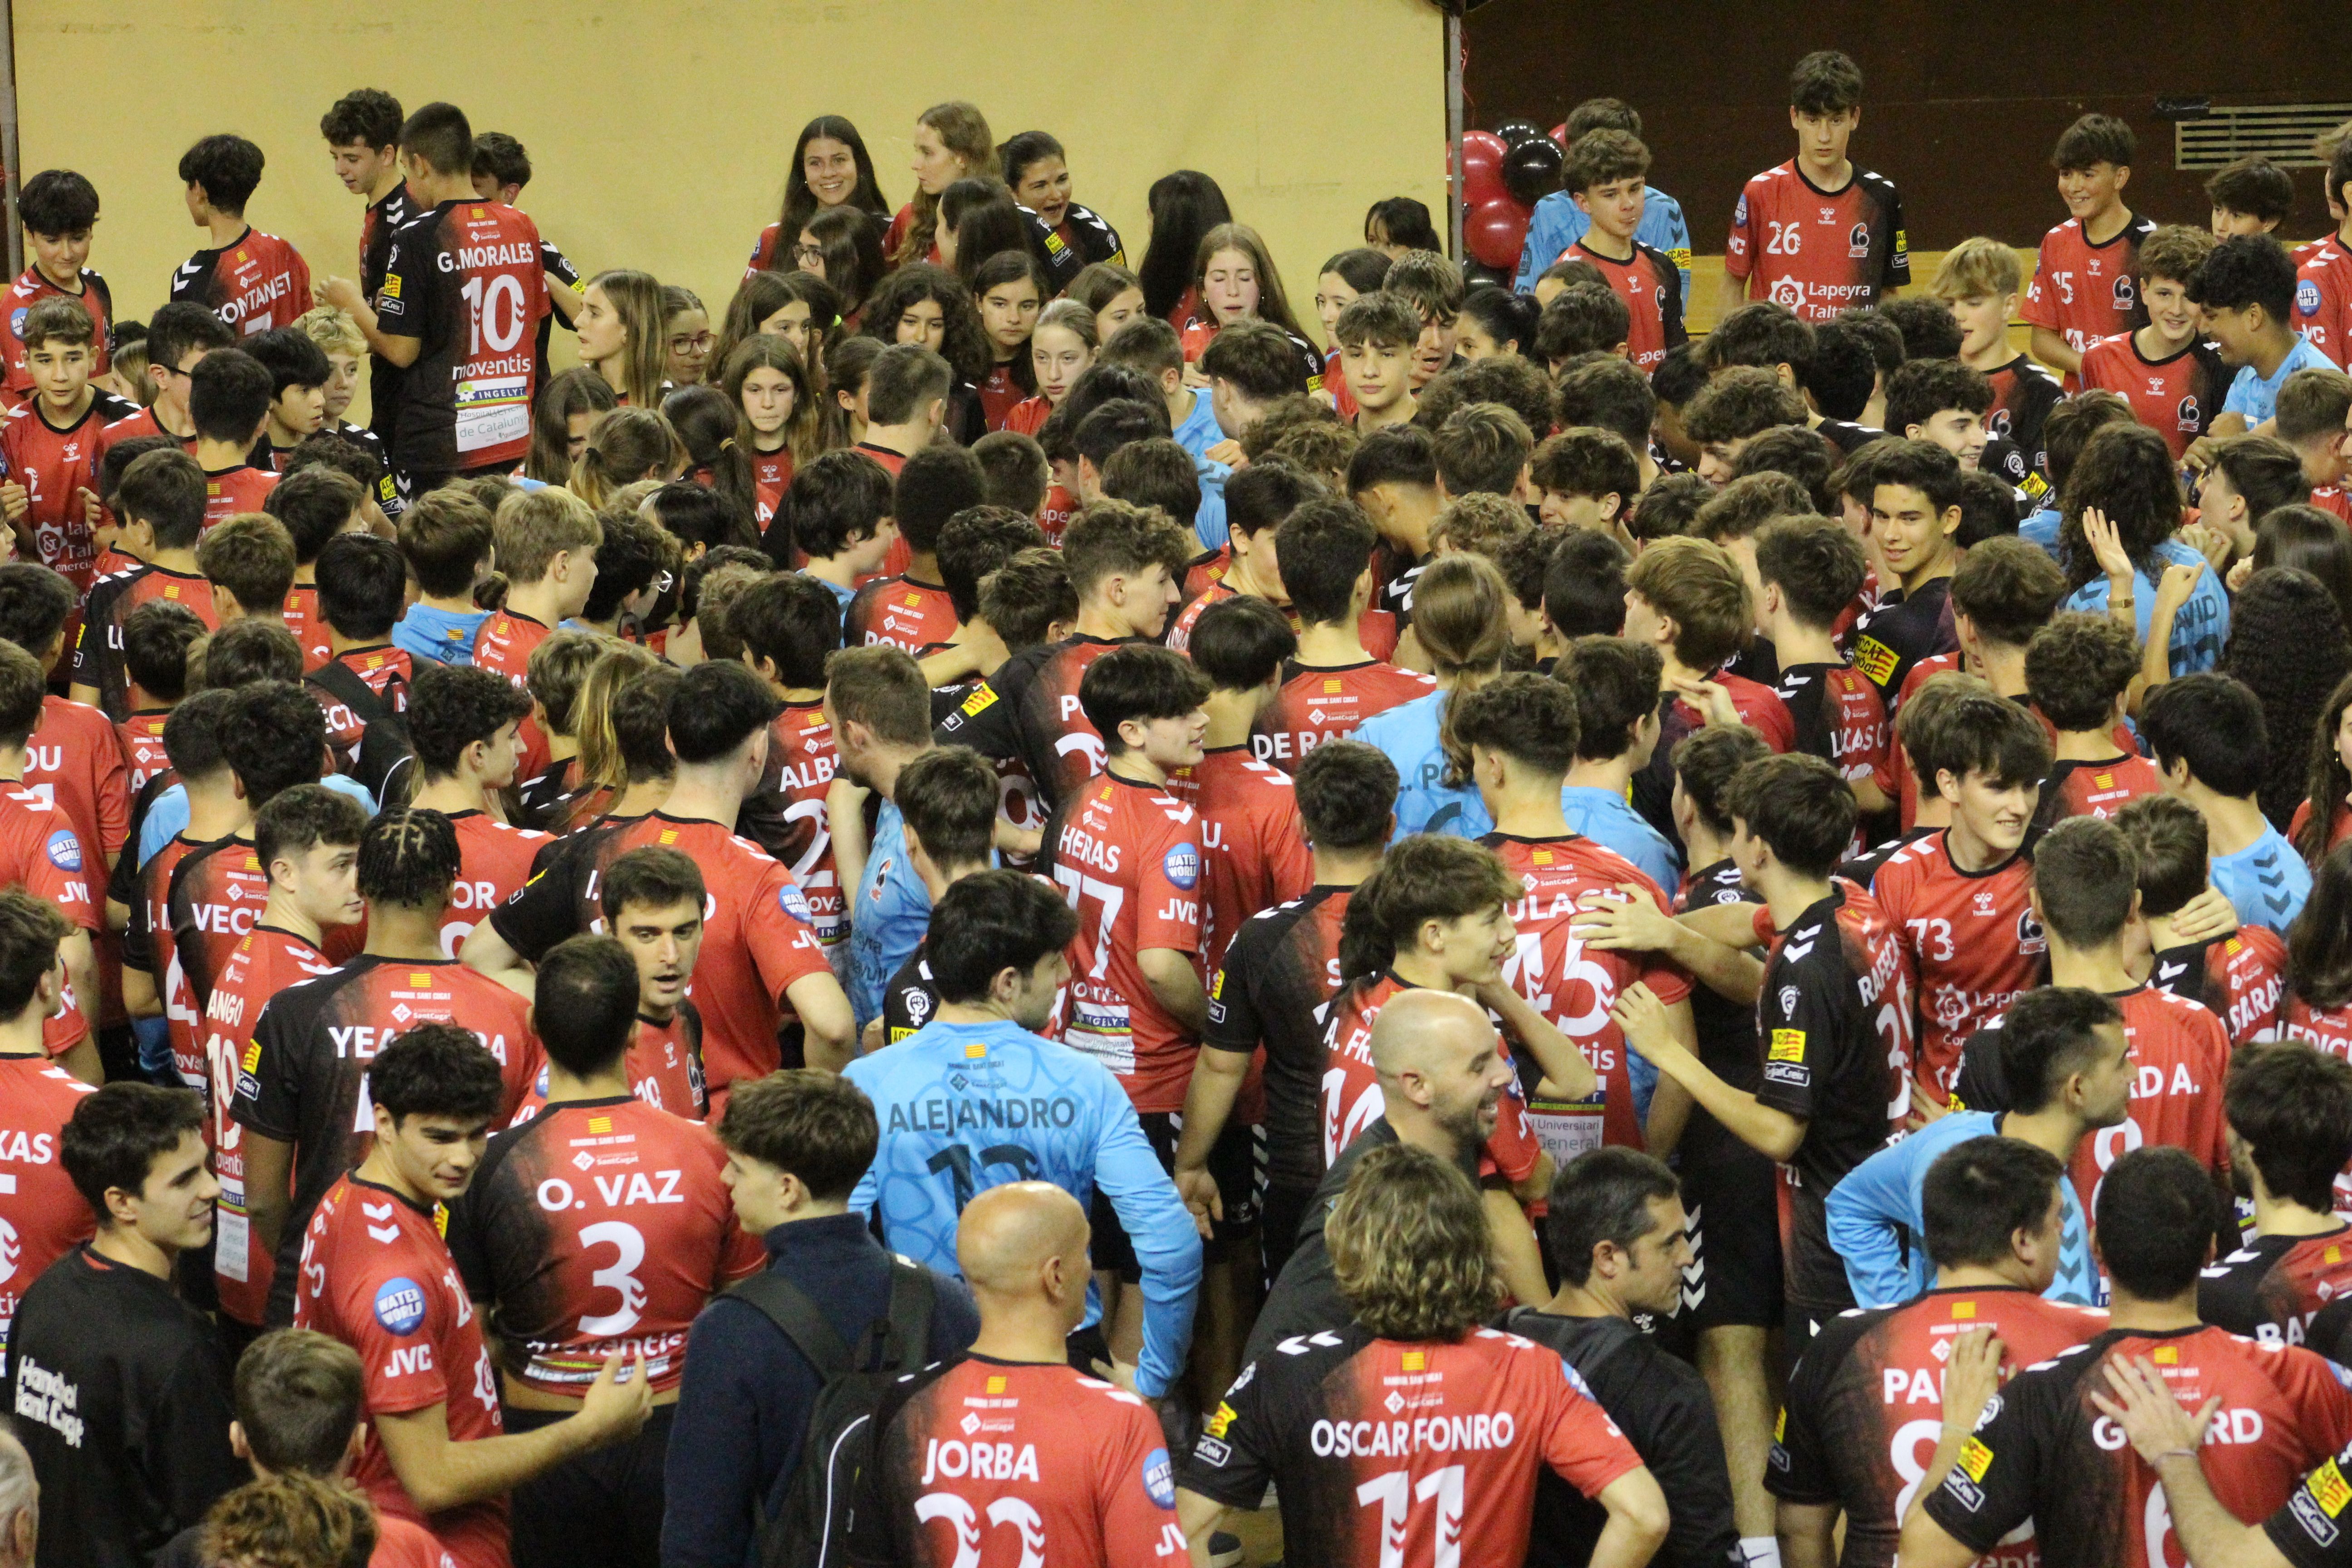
1570, 836
424, 1209
1797, 167
2131, 227
2005, 862
604, 1102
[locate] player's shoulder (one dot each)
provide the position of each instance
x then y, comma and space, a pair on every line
1876, 184
2068, 232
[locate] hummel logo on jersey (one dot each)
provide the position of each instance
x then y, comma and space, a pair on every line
1299, 1344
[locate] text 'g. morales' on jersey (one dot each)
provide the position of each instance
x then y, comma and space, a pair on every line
465, 280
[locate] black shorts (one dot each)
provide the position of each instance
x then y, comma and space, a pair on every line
601, 1510
1729, 1192
1233, 1160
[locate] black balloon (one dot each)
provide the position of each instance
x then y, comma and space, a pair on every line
1514, 132
1531, 169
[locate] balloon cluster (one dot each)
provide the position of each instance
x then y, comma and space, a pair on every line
1505, 173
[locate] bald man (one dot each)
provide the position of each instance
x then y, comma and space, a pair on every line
1006, 1436
1442, 1075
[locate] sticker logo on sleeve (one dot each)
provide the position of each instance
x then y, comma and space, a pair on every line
789, 899
1182, 864
1159, 1477
400, 1305
65, 850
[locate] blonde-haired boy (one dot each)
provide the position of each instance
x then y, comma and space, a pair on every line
1980, 279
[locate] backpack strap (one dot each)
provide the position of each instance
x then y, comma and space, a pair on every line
791, 1310
341, 682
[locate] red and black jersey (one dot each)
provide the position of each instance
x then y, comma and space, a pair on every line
54, 465
2023, 394
465, 280
386, 671
1029, 711
1353, 1099
1834, 1022
1277, 977
141, 738
2273, 1287
1821, 253
1254, 851
1838, 716
143, 422
2180, 1059
264, 963
772, 475
1865, 1405
597, 1227
75, 762
786, 815
2177, 397
40, 1210
2241, 978
2305, 1530
148, 947
2327, 1029
1200, 329
1652, 287
1573, 985
98, 649
494, 861
504, 646
1215, 591
1389, 1452
978, 1461
1204, 572
29, 289
1395, 575
664, 1064
757, 938
2096, 789
1053, 516
303, 1076
255, 282
308, 626
376, 1275
1029, 415
1972, 939
1759, 707
1902, 630
999, 394
2323, 298
1126, 856
917, 616
1318, 704
2084, 291
40, 852
2049, 1454
213, 899
229, 491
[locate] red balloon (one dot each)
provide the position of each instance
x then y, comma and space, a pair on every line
1482, 168
1559, 134
1494, 231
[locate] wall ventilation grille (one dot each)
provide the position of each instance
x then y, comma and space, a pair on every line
2283, 132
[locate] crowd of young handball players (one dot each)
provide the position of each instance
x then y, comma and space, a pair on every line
1653, 946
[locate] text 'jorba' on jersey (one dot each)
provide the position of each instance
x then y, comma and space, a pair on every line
464, 280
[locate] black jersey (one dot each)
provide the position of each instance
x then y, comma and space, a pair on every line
561, 898
1863, 869
1901, 631
2311, 1532
1028, 711
465, 281
122, 1395
910, 1000
383, 220
1273, 990
1727, 1029
1662, 1407
2273, 1287
2023, 394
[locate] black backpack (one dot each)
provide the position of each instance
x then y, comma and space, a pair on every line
383, 735
812, 1529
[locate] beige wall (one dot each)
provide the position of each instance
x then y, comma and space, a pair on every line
660, 132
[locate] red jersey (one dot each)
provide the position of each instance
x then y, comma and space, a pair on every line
504, 646
2175, 397
255, 282
147, 945
55, 466
97, 648
141, 739
890, 460
42, 1217
2084, 291
213, 901
1180, 630
2098, 789
1028, 417
983, 1461
999, 394
1865, 1404
143, 422
386, 671
310, 627
758, 940
1205, 572
1573, 985
1836, 714
1758, 706
763, 251
1254, 851
664, 1064
1316, 705
1973, 941
494, 861
2047, 1454
914, 615
376, 1275
2323, 298
1353, 1099
1389, 1452
265, 962
2327, 1029
75, 762
29, 289
2333, 499
2339, 828
772, 475
40, 852
2241, 978
2180, 1059
1818, 252
552, 1195
232, 490
1053, 516
1126, 856
1652, 287
786, 815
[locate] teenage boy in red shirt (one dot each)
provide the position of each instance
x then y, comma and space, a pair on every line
1978, 279
2173, 378
2087, 283
179, 335
2323, 284
251, 280
48, 445
1819, 234
1608, 176
1324, 552
58, 208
